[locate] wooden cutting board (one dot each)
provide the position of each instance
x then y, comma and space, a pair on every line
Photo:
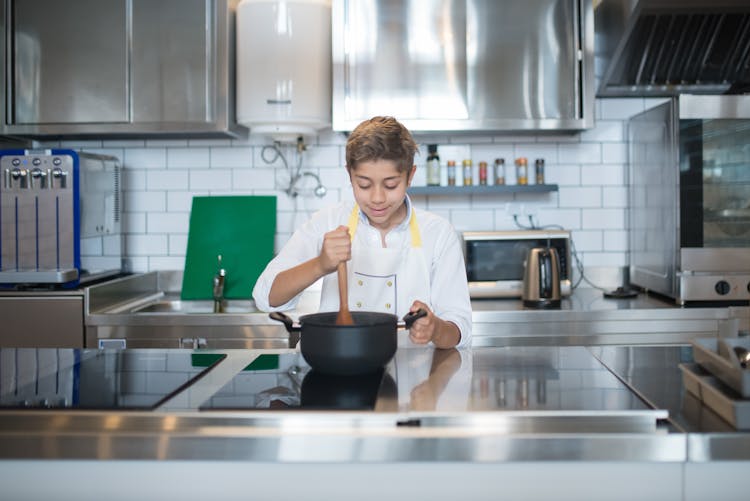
239, 228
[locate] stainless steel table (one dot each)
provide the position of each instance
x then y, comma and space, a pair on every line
522, 422
501, 396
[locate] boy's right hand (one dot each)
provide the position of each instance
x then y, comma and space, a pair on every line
337, 247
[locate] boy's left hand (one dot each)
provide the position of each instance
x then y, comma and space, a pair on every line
423, 329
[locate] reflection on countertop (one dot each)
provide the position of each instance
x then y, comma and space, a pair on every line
653, 373
532, 388
522, 383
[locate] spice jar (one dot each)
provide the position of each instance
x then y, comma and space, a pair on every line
451, 172
539, 170
522, 171
468, 181
499, 171
482, 173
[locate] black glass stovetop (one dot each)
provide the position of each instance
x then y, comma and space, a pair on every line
54, 378
285, 382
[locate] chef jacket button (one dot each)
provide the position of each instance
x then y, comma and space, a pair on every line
359, 304
387, 306
359, 282
389, 283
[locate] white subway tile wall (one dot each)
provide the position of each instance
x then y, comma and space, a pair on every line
160, 178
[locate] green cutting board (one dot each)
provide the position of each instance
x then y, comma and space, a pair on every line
239, 228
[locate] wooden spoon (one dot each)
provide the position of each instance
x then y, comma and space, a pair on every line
344, 317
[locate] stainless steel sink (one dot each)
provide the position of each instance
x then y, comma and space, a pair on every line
197, 307
146, 311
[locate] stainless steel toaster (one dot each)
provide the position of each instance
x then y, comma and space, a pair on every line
60, 216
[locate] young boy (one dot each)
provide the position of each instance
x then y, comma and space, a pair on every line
399, 258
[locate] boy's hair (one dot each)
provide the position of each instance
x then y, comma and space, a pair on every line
381, 138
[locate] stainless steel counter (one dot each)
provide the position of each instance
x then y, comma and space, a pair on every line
115, 313
491, 404
588, 318
653, 373
497, 418
488, 402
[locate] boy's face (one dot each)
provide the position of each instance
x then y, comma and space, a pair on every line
379, 189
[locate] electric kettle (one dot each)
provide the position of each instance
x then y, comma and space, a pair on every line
541, 278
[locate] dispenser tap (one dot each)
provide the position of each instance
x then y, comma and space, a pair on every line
219, 279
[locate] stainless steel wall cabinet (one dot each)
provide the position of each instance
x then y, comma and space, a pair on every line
464, 65
119, 67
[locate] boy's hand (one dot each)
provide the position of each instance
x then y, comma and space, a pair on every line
337, 247
443, 334
423, 329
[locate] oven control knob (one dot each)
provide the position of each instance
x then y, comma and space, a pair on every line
722, 287
36, 161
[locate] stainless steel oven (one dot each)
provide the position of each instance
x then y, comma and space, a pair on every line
495, 260
689, 198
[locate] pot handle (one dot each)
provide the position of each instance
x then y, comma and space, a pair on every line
412, 317
286, 320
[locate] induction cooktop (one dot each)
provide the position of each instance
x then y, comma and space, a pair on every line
285, 382
50, 378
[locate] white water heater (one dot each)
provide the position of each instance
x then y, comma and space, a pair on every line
284, 67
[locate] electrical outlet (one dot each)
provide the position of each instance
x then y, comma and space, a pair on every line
533, 214
515, 209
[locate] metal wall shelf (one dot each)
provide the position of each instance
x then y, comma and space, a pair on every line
481, 189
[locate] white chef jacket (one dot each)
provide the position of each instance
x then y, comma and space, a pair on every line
448, 289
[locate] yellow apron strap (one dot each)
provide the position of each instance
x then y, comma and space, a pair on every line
416, 237
353, 221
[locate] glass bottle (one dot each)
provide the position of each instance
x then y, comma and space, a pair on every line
522, 171
451, 171
433, 166
482, 173
499, 171
539, 170
468, 181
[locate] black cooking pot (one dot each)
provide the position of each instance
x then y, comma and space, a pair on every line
361, 348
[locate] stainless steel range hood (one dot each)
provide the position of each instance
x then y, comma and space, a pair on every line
670, 47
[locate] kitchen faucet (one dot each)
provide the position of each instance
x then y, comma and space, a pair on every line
219, 279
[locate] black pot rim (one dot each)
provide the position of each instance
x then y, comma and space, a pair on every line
361, 319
